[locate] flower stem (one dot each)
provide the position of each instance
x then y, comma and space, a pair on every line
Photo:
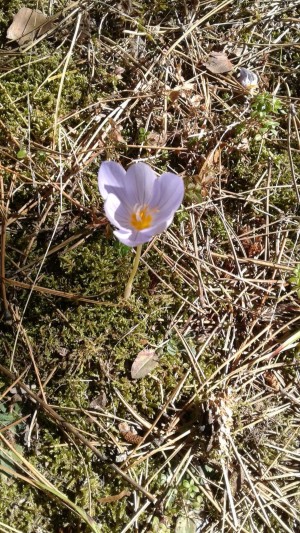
136, 261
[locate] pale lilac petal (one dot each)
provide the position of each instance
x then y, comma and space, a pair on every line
167, 196
124, 236
124, 192
116, 211
111, 178
247, 78
140, 179
161, 223
133, 238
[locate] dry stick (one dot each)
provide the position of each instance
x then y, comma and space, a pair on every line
266, 295
4, 208
157, 147
267, 236
37, 480
64, 72
116, 113
198, 268
295, 122
20, 327
196, 24
291, 113
10, 426
3, 243
179, 271
37, 229
27, 341
79, 237
54, 292
64, 425
163, 410
9, 135
14, 383
32, 203
250, 260
190, 304
193, 360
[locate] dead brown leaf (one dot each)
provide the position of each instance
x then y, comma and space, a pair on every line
115, 132
99, 402
218, 63
181, 90
271, 380
145, 361
27, 25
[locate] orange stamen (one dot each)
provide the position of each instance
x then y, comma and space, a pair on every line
141, 218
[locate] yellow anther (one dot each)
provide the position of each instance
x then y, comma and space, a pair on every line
141, 218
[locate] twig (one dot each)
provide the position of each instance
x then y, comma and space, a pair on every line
3, 244
289, 133
54, 292
267, 236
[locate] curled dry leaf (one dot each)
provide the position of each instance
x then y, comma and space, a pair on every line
99, 402
145, 361
271, 380
218, 63
27, 25
115, 132
181, 90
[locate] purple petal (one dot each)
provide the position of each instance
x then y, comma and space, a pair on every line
140, 179
133, 238
161, 224
167, 196
116, 211
123, 236
111, 178
247, 77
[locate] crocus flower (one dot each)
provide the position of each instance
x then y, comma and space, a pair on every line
248, 78
137, 202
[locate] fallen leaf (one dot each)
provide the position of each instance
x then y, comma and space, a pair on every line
239, 50
181, 90
145, 361
28, 24
185, 525
196, 100
271, 380
99, 402
218, 63
115, 132
217, 155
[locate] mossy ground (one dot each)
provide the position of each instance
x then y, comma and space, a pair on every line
213, 296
